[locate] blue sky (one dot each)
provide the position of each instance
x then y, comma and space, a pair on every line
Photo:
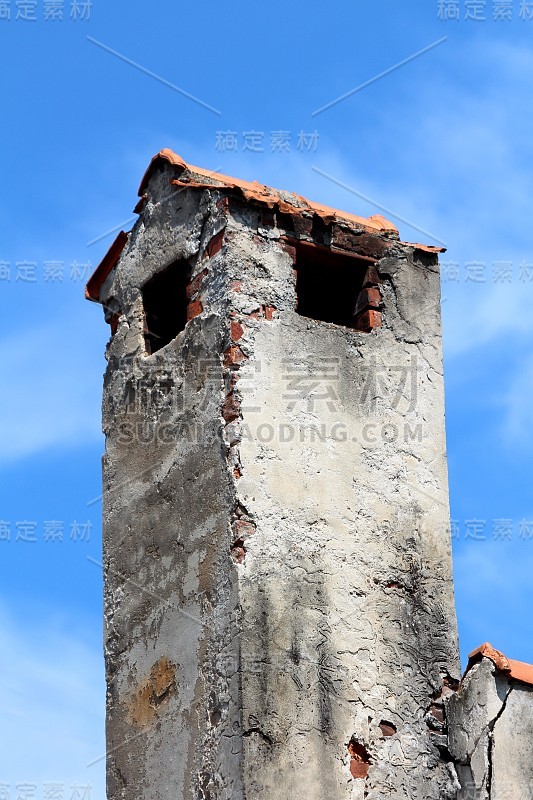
443, 142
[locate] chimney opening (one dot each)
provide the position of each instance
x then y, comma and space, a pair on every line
165, 305
328, 284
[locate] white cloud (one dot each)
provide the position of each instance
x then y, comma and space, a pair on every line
52, 697
493, 589
462, 171
517, 426
52, 389
474, 315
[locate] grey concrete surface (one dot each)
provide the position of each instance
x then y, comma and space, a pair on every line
490, 723
279, 611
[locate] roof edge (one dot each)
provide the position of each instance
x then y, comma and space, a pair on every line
166, 154
109, 261
253, 190
518, 670
426, 248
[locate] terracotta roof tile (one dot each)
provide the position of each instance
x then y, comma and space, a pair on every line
518, 670
427, 248
254, 191
94, 284
285, 202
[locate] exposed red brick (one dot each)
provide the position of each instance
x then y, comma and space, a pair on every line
361, 243
302, 225
269, 312
437, 712
194, 286
387, 728
215, 244
359, 761
237, 473
236, 330
232, 380
289, 248
113, 322
233, 356
243, 529
371, 278
358, 768
238, 552
368, 320
231, 408
368, 298
235, 286
193, 309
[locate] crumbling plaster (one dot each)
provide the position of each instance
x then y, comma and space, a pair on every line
490, 723
270, 604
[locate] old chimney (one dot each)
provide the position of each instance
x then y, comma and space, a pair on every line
279, 611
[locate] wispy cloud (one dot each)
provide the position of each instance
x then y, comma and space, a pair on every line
379, 76
517, 425
48, 400
493, 588
474, 315
52, 697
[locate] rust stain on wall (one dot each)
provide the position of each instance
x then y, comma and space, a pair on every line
153, 693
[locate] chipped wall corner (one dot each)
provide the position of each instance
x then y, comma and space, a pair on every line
490, 722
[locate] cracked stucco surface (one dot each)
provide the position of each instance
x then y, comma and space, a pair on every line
341, 614
490, 735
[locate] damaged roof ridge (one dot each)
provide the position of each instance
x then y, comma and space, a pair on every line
109, 261
254, 190
518, 670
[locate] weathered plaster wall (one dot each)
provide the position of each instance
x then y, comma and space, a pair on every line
491, 735
346, 589
173, 706
279, 603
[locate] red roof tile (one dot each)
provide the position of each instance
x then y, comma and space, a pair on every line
285, 202
254, 191
94, 284
518, 670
